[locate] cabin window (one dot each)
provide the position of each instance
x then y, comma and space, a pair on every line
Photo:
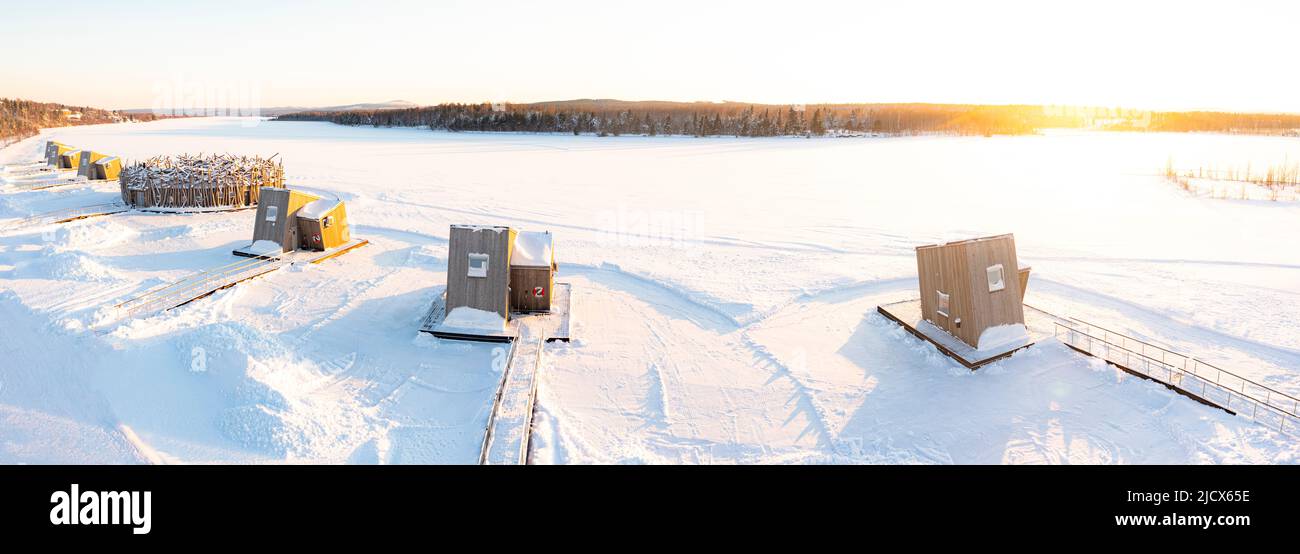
943, 304
327, 222
272, 213
996, 278
478, 265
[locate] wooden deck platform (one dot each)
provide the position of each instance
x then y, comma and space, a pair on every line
908, 314
309, 256
553, 325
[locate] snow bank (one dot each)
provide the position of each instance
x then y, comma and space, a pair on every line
93, 234
69, 266
473, 321
532, 249
263, 248
1000, 336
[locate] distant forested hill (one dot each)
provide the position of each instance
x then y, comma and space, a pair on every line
617, 117
1226, 122
20, 119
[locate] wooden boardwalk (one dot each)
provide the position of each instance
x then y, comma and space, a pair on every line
1184, 374
510, 428
196, 286
204, 283
508, 437
1181, 373
67, 214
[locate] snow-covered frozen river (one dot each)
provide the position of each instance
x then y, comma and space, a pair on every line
724, 294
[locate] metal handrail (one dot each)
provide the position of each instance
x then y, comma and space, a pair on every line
196, 285
194, 277
62, 213
1270, 392
1267, 402
496, 403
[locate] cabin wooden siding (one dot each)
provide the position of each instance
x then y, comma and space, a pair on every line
337, 234
54, 151
86, 164
283, 230
70, 159
944, 270
960, 270
107, 169
522, 282
491, 293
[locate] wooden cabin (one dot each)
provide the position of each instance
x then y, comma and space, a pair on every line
70, 159
289, 220
497, 276
107, 169
478, 268
54, 151
277, 216
532, 271
500, 270
86, 163
970, 286
322, 225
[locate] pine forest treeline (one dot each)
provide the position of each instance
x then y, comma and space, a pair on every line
20, 119
606, 117
614, 117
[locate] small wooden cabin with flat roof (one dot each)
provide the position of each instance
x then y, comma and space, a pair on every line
289, 220
70, 159
86, 164
971, 286
296, 220
532, 271
107, 169
496, 272
275, 216
478, 268
54, 151
323, 224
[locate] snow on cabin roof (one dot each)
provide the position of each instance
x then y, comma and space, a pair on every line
107, 160
495, 228
318, 208
533, 249
966, 241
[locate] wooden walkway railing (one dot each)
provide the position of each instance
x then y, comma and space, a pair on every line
510, 431
1187, 375
67, 214
496, 404
197, 286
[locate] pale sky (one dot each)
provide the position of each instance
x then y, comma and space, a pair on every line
1135, 54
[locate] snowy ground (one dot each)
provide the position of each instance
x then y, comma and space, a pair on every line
724, 295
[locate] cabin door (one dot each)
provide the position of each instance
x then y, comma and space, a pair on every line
943, 311
292, 239
309, 233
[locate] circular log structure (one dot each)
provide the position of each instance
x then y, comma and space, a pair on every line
184, 183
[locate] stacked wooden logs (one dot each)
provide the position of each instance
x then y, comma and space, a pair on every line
218, 181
